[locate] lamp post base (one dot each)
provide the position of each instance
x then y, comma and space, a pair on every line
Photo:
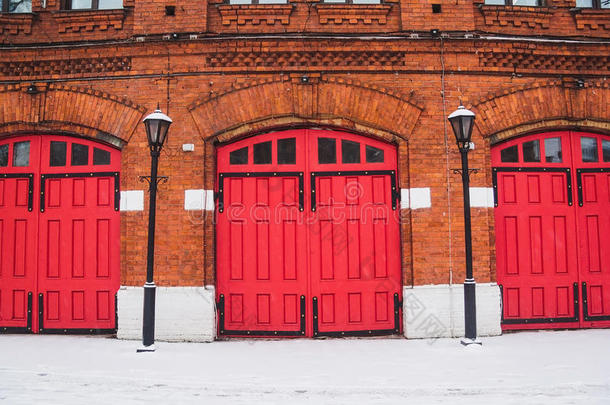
468, 342
146, 349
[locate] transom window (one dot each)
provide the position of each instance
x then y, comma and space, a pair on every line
16, 6
593, 3
91, 4
530, 3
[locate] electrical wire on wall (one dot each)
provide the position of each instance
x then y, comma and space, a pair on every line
449, 219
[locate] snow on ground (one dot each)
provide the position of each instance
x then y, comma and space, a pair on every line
566, 367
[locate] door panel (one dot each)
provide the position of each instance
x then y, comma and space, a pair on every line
18, 234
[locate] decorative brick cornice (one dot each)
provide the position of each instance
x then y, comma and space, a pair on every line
286, 59
594, 19
15, 23
255, 14
353, 13
81, 66
89, 20
523, 60
518, 16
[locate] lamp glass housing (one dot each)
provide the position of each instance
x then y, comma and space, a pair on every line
462, 122
157, 125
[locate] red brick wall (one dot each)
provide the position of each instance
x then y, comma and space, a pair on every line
382, 82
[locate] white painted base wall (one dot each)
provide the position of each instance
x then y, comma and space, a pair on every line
434, 311
182, 314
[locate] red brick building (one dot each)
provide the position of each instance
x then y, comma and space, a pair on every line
337, 93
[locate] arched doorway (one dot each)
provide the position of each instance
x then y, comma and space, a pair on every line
308, 239
59, 235
552, 218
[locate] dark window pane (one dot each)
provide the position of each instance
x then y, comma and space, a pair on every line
3, 155
552, 150
239, 156
101, 157
262, 153
374, 155
589, 149
606, 150
350, 152
57, 156
287, 151
21, 154
327, 150
80, 154
531, 151
510, 154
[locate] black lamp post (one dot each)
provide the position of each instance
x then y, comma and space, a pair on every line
157, 125
462, 121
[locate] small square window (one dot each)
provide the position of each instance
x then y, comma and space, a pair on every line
350, 151
262, 153
287, 151
57, 154
552, 150
239, 156
80, 155
92, 4
101, 157
510, 154
21, 154
3, 155
16, 6
606, 150
531, 151
588, 147
327, 150
373, 155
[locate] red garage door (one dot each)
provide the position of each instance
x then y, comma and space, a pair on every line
307, 236
552, 220
59, 235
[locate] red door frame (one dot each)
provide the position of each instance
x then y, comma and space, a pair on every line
549, 266
72, 278
304, 296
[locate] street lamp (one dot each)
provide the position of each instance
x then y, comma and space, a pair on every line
157, 124
462, 121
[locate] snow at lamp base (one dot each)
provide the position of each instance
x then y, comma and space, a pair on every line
183, 314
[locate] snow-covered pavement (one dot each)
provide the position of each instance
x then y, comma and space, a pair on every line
567, 367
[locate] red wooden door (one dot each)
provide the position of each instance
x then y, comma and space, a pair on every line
592, 171
288, 268
18, 232
73, 272
354, 236
548, 244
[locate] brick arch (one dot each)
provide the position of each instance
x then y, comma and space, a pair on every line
284, 101
550, 105
70, 110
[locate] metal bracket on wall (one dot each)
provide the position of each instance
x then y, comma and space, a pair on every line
160, 179
357, 333
115, 175
21, 329
30, 177
74, 331
579, 173
395, 194
585, 308
222, 176
565, 170
470, 171
512, 321
269, 333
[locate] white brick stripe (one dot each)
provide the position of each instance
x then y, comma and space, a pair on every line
415, 198
132, 200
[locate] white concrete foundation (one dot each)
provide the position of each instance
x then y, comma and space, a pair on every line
434, 311
182, 314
